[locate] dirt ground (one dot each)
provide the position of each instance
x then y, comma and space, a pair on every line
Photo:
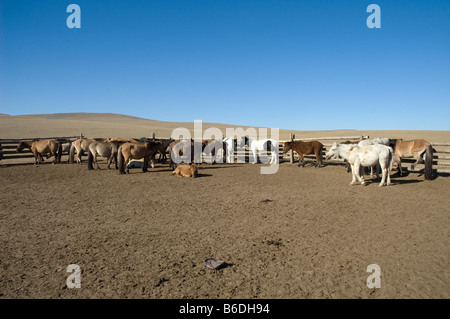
299, 233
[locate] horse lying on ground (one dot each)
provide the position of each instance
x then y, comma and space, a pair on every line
421, 150
129, 151
102, 149
305, 148
186, 171
367, 156
42, 147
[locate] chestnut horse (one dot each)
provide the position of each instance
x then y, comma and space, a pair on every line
421, 150
129, 151
42, 147
305, 148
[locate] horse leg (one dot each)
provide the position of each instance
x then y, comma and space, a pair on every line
36, 159
353, 175
255, 156
80, 153
319, 162
95, 160
301, 160
110, 159
145, 164
383, 179
419, 160
357, 169
127, 169
399, 165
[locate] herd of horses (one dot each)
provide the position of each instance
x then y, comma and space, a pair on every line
126, 153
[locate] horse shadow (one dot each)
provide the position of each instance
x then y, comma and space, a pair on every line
200, 175
215, 166
405, 181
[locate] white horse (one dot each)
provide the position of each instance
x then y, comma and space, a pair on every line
260, 145
229, 149
368, 156
377, 140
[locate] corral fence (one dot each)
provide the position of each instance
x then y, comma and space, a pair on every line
441, 156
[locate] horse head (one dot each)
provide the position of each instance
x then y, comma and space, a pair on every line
333, 151
21, 146
286, 147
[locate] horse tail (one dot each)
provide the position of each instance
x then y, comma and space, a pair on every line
321, 155
114, 153
429, 162
71, 153
171, 162
59, 152
90, 160
391, 159
120, 160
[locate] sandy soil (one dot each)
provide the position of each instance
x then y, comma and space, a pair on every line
300, 233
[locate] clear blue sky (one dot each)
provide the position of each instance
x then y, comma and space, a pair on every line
306, 65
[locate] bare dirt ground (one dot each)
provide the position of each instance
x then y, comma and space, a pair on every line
299, 233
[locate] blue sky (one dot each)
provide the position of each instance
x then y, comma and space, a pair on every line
305, 65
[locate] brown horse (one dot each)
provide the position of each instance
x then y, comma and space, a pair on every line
421, 150
42, 147
305, 148
122, 140
129, 151
162, 147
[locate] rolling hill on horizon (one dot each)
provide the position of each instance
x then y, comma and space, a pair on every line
113, 124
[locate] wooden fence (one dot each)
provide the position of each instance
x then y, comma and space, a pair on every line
441, 158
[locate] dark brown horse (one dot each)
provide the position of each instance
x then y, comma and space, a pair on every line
305, 148
162, 147
42, 147
129, 151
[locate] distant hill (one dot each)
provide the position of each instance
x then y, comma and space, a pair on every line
111, 125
